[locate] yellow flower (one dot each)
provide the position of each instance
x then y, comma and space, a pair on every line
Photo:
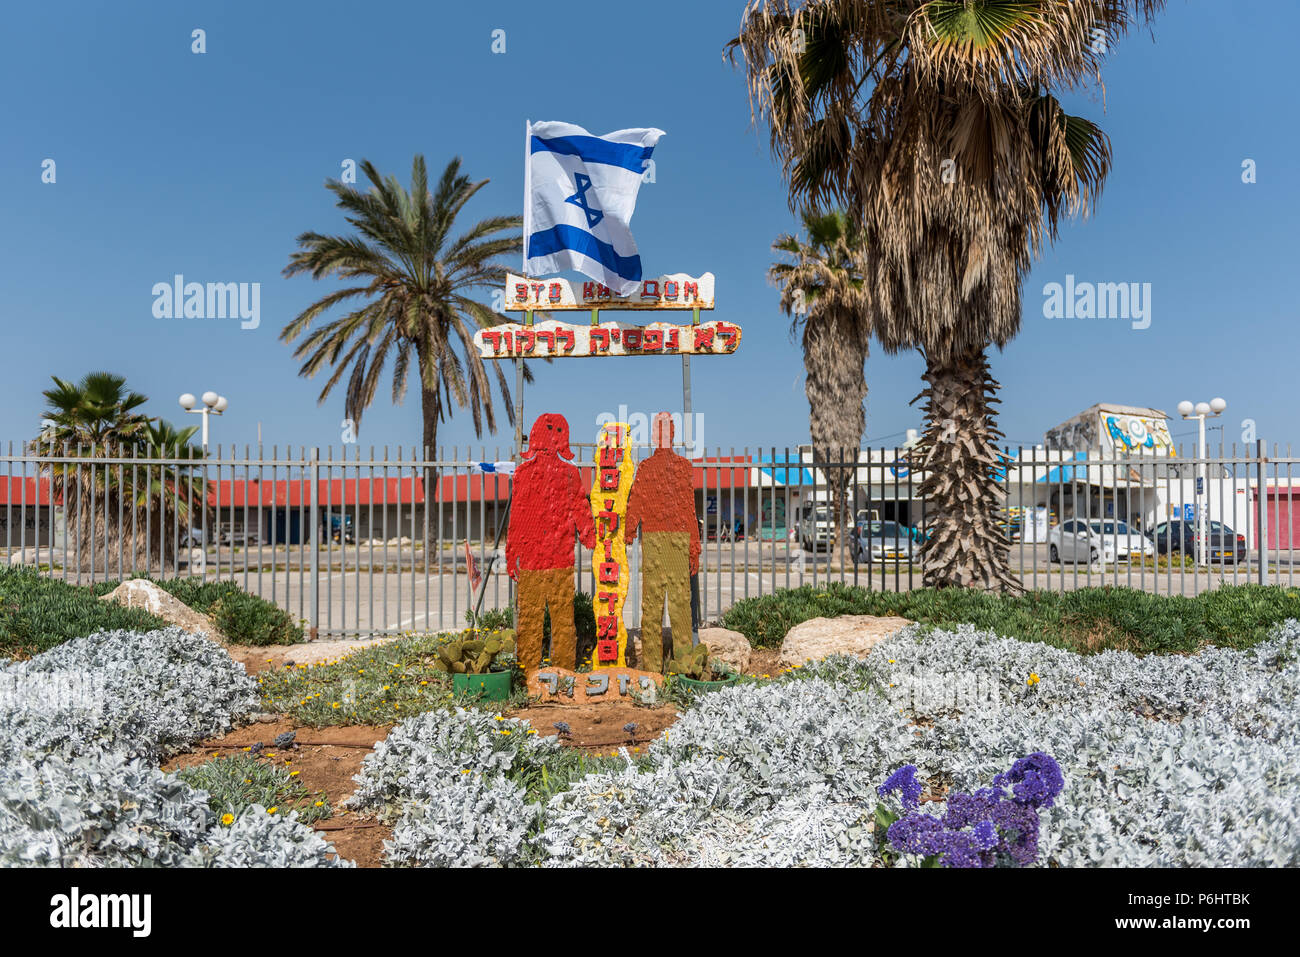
272, 809
294, 774
248, 780
334, 705
227, 819
466, 771
320, 804
532, 730
1032, 679
505, 730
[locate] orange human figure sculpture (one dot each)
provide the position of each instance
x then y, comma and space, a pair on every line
662, 505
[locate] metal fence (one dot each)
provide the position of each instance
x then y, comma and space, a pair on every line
357, 545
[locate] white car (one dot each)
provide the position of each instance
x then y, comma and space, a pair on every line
1097, 541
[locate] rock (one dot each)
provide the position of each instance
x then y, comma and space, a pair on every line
141, 593
729, 646
846, 635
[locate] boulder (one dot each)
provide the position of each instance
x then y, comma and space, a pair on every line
729, 646
141, 593
818, 638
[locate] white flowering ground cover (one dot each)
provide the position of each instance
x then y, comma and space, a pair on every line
82, 729
1168, 761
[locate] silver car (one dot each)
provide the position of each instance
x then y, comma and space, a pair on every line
1097, 541
879, 542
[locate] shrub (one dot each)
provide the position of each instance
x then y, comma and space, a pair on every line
140, 694
1164, 760
237, 782
1084, 620
37, 613
249, 620
378, 684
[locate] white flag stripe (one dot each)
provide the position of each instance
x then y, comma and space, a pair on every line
582, 191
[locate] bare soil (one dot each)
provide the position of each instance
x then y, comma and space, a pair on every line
327, 758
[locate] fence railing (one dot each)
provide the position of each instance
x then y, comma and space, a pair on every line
384, 544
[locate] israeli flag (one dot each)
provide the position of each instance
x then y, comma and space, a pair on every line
580, 191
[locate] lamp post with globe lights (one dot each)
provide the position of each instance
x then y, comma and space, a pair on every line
213, 404
1201, 411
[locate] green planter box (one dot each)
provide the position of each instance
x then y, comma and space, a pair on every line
493, 685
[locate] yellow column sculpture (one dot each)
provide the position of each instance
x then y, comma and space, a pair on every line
614, 472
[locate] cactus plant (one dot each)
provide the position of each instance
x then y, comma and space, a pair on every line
475, 656
696, 665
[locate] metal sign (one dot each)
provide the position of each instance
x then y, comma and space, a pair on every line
553, 339
678, 291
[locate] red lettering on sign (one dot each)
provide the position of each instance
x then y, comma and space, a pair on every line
650, 289
608, 574
588, 290
609, 479
703, 337
690, 290
521, 292
607, 626
654, 340
632, 339
670, 289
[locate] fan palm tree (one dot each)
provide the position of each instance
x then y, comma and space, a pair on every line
125, 515
822, 289
415, 279
934, 123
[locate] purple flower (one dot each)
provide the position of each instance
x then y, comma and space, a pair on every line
985, 835
1036, 780
916, 834
983, 828
903, 780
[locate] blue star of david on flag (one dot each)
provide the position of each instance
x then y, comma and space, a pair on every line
580, 193
583, 183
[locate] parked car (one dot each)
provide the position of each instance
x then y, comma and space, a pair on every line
816, 528
1177, 535
876, 542
341, 529
1103, 541
193, 538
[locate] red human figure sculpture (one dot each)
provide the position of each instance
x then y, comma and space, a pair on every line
548, 510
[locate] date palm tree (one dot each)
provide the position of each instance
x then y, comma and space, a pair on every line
935, 124
414, 279
823, 290
122, 515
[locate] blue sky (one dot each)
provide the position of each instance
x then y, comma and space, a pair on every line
210, 165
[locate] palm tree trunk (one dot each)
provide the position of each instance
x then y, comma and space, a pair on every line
961, 494
835, 351
431, 412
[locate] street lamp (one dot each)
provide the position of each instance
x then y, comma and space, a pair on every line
213, 404
1201, 411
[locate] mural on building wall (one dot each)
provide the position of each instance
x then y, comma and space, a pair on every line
1137, 433
549, 509
662, 506
609, 495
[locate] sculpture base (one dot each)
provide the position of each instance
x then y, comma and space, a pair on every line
604, 685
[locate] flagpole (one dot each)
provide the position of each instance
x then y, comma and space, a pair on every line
512, 592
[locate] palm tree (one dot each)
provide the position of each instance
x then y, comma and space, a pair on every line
934, 123
822, 289
415, 279
125, 515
